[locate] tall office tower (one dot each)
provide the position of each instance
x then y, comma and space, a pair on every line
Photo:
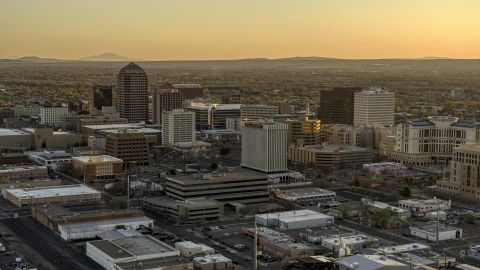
264, 146
132, 93
178, 125
231, 97
374, 106
165, 100
101, 95
189, 91
337, 105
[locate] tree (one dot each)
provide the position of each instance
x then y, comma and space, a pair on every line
173, 171
214, 166
224, 151
382, 216
321, 183
118, 203
406, 192
468, 218
345, 208
357, 182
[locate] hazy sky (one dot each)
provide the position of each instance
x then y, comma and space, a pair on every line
224, 29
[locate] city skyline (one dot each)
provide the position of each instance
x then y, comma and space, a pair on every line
217, 30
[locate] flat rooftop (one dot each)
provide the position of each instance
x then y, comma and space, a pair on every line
21, 169
404, 248
305, 191
112, 249
295, 215
96, 159
141, 246
13, 132
53, 210
349, 239
116, 126
105, 222
156, 263
140, 130
47, 192
278, 239
332, 148
381, 205
242, 174
119, 234
190, 244
211, 258
370, 262
433, 228
429, 202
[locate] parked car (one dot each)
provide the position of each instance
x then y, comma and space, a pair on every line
248, 258
179, 235
406, 234
343, 200
324, 228
222, 227
235, 262
187, 239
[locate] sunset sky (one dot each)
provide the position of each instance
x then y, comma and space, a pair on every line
224, 29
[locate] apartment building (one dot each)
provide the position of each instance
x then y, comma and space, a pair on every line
374, 107
132, 93
432, 141
52, 115
178, 125
130, 146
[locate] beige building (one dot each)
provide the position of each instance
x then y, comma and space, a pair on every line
464, 179
25, 171
48, 138
131, 147
52, 115
16, 139
188, 249
233, 123
21, 110
303, 131
257, 111
359, 136
335, 156
178, 126
374, 107
98, 167
432, 141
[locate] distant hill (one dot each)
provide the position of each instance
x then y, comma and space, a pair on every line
308, 58
31, 59
108, 57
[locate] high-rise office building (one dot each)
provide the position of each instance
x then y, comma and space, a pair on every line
337, 105
178, 126
101, 95
165, 100
132, 93
303, 131
264, 146
373, 107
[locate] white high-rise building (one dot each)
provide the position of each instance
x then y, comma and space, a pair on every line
264, 146
52, 115
178, 126
374, 106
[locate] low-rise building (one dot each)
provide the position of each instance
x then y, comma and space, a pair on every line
99, 167
211, 262
188, 249
335, 156
400, 212
49, 158
424, 206
26, 171
86, 151
279, 244
187, 211
351, 241
51, 195
305, 194
139, 253
370, 262
299, 219
435, 215
13, 158
429, 232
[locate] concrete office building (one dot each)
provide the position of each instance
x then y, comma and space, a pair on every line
335, 156
52, 114
48, 195
303, 131
432, 142
283, 107
187, 211
154, 136
425, 206
464, 179
241, 186
264, 146
131, 147
98, 167
189, 91
49, 158
178, 126
337, 105
257, 111
25, 171
165, 100
132, 93
6, 113
298, 219
90, 130
189, 249
101, 95
220, 112
305, 194
359, 136
374, 107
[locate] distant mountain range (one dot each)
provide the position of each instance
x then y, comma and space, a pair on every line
111, 57
108, 57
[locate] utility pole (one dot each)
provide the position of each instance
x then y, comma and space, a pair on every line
438, 219
255, 260
128, 193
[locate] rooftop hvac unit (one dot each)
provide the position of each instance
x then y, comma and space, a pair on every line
120, 251
140, 264
355, 264
162, 250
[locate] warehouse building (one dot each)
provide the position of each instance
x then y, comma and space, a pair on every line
429, 232
290, 220
136, 253
52, 195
